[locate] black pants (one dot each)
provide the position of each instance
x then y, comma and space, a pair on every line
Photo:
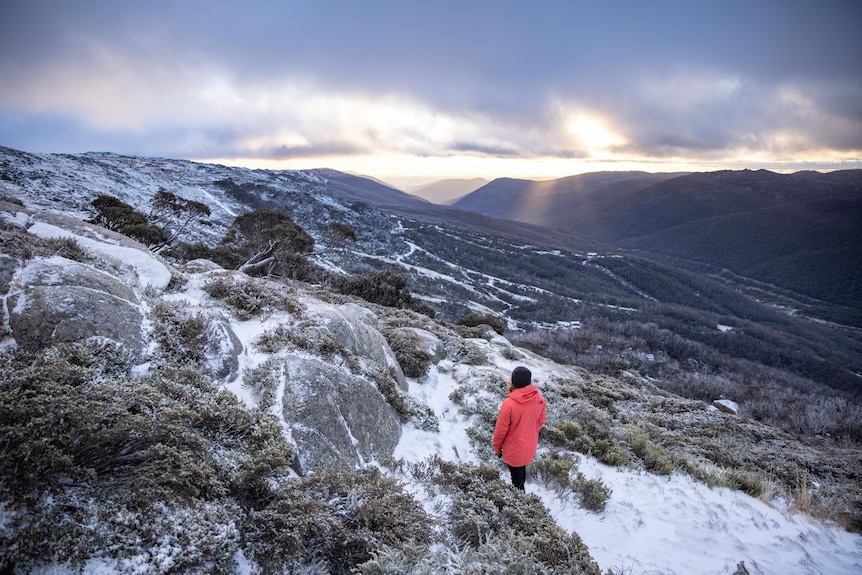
519, 476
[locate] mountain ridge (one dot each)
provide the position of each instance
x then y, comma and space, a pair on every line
718, 219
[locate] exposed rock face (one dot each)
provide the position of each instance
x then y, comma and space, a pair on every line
336, 418
354, 328
225, 363
63, 301
726, 406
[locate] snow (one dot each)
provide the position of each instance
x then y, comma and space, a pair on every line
653, 524
148, 270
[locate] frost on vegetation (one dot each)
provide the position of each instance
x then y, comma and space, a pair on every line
411, 352
491, 527
263, 381
185, 336
164, 466
249, 298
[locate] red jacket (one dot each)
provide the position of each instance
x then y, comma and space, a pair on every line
521, 417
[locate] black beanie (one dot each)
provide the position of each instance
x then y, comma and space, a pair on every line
521, 377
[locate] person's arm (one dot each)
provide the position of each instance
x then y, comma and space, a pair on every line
504, 419
543, 414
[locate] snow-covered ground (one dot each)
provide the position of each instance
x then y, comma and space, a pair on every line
657, 524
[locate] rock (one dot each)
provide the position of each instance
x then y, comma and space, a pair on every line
726, 406
433, 345
351, 326
203, 265
740, 569
63, 301
224, 364
336, 418
59, 271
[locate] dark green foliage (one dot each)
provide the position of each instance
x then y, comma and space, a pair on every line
173, 214
267, 231
117, 215
337, 235
383, 288
475, 319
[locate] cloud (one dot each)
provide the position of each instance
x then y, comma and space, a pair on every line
615, 80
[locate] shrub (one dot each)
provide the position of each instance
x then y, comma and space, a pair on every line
550, 551
383, 288
249, 299
744, 482
275, 339
470, 354
68, 248
263, 381
386, 385
655, 457
157, 463
474, 320
553, 470
499, 530
410, 351
184, 336
511, 354
335, 517
594, 494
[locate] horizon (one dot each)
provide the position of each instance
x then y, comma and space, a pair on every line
416, 94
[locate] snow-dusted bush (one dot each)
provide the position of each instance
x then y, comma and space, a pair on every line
263, 381
654, 456
277, 338
410, 351
248, 298
550, 551
334, 517
147, 473
470, 353
558, 472
184, 336
475, 320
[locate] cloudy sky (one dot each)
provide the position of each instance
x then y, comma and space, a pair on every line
436, 88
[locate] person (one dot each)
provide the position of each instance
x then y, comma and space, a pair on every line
522, 415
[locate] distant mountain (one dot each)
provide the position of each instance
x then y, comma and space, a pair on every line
365, 189
447, 192
800, 232
553, 203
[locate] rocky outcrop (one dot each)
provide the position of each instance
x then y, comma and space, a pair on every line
336, 418
63, 301
354, 329
726, 406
